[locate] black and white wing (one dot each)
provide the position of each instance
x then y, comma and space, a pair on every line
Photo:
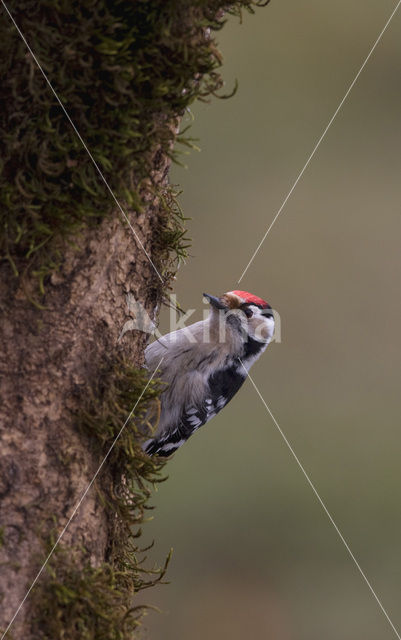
222, 386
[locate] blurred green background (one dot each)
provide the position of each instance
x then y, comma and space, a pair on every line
254, 553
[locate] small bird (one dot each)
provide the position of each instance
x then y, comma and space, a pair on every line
205, 364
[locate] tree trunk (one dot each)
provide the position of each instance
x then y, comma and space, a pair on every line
50, 358
125, 72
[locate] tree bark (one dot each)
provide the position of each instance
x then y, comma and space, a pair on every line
52, 354
48, 358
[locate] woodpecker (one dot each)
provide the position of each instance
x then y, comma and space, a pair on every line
205, 364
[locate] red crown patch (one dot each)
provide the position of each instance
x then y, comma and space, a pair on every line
249, 297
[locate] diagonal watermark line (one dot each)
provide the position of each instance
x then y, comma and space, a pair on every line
83, 142
82, 498
322, 504
315, 148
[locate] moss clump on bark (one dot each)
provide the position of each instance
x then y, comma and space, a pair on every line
125, 71
75, 600
171, 239
120, 405
78, 602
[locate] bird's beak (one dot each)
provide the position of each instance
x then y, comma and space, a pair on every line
215, 302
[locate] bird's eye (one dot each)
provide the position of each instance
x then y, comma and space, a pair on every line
248, 312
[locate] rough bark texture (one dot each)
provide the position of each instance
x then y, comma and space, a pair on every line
144, 63
48, 359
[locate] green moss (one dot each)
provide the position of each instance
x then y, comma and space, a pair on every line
171, 241
124, 71
119, 404
76, 600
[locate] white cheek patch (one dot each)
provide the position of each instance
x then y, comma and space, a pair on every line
264, 330
270, 327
